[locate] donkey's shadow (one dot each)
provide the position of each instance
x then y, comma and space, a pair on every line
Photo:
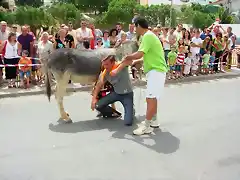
164, 142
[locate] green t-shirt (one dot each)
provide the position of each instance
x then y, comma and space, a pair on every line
172, 57
153, 58
206, 58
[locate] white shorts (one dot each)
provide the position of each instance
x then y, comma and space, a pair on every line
155, 84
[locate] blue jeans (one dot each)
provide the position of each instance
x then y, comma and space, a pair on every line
126, 100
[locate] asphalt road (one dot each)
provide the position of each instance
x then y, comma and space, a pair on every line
199, 138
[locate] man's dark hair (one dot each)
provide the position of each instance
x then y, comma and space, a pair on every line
141, 22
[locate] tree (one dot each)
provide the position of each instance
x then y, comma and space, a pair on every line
35, 17
201, 20
155, 14
225, 16
65, 12
119, 11
34, 3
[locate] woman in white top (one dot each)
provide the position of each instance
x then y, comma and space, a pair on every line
165, 42
45, 47
11, 50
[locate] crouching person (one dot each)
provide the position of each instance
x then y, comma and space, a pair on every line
122, 91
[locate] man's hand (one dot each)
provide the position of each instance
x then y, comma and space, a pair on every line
93, 103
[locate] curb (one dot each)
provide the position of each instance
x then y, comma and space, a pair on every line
136, 84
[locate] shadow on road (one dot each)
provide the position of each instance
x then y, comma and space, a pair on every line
165, 142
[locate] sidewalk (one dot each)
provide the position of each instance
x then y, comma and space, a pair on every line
36, 90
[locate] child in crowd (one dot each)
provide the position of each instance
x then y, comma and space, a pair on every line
99, 43
205, 60
172, 57
25, 69
187, 62
180, 61
212, 59
195, 62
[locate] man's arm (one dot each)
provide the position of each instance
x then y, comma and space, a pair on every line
98, 86
128, 60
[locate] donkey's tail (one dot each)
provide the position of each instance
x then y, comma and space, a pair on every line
48, 85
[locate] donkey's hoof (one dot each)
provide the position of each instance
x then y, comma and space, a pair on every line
67, 114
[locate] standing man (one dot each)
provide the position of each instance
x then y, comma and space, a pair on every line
84, 35
155, 68
3, 31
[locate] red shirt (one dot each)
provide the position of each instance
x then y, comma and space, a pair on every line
92, 41
180, 58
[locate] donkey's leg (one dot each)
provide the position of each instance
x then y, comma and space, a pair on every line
61, 87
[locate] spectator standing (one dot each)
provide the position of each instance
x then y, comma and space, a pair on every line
84, 35
165, 42
3, 32
72, 32
11, 50
27, 41
113, 37
218, 47
14, 30
45, 47
25, 70
187, 41
105, 39
178, 32
172, 58
61, 41
131, 33
195, 50
172, 37
205, 34
119, 29
97, 33
69, 38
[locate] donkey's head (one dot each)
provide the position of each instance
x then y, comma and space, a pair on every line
127, 47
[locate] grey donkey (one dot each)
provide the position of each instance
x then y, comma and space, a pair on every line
79, 66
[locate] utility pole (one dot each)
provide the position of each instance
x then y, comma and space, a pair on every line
171, 12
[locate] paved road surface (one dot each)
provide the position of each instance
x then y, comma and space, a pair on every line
199, 138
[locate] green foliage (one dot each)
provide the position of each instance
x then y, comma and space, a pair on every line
155, 14
225, 16
112, 11
65, 12
119, 11
200, 20
33, 3
35, 17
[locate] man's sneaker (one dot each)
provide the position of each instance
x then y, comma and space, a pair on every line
154, 122
143, 128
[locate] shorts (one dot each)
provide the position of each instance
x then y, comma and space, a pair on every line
178, 68
172, 68
205, 66
155, 84
21, 74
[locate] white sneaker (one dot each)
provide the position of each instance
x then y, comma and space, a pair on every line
143, 128
155, 123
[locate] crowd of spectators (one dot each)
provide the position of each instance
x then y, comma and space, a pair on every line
188, 51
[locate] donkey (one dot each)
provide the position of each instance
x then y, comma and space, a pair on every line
81, 66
